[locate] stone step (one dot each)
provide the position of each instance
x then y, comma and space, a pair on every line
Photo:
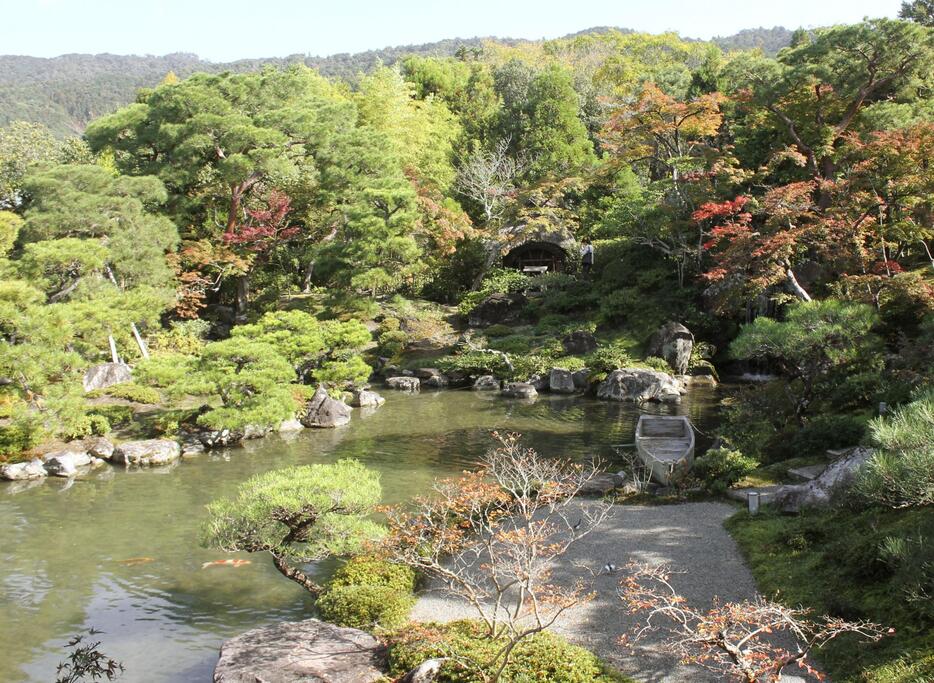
807, 473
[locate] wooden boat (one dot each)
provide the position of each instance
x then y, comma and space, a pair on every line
665, 445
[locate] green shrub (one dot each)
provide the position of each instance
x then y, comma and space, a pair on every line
365, 570
365, 607
901, 472
116, 415
501, 281
542, 658
514, 343
129, 391
656, 363
498, 330
608, 358
720, 468
183, 336
551, 323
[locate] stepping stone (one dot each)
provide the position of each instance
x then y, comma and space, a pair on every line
808, 473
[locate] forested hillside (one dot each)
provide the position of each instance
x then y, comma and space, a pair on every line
65, 93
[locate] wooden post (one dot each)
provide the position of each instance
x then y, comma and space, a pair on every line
139, 340
113, 349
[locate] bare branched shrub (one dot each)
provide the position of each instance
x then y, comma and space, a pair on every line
491, 536
86, 662
488, 177
751, 641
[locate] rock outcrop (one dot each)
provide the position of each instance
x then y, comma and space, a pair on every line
561, 381
220, 438
292, 425
432, 378
819, 491
106, 375
147, 453
579, 342
324, 412
486, 383
410, 384
498, 308
519, 390
17, 471
364, 398
98, 447
67, 462
310, 651
673, 342
639, 385
581, 379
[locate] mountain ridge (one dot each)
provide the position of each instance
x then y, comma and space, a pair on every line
67, 91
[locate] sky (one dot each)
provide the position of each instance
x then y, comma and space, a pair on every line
224, 30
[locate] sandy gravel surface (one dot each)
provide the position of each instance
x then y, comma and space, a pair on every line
689, 537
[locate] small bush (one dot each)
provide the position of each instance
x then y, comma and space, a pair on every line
656, 363
365, 570
720, 468
130, 391
184, 336
498, 330
514, 343
501, 281
542, 658
901, 472
365, 607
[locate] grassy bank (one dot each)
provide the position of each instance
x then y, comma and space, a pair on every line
854, 564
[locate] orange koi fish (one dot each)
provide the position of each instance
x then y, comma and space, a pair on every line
225, 563
135, 561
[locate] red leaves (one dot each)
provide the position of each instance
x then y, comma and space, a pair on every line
265, 228
715, 210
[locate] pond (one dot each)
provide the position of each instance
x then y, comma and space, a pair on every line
64, 546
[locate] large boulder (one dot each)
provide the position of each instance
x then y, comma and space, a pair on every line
821, 490
106, 375
310, 651
498, 308
16, 471
98, 447
639, 385
410, 384
364, 398
540, 382
561, 381
673, 342
581, 379
579, 343
486, 383
290, 425
67, 462
324, 412
519, 390
432, 378
147, 452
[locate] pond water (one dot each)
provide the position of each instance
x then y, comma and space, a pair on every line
64, 546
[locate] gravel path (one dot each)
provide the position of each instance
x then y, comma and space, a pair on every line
689, 537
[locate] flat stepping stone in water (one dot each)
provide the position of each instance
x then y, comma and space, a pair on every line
808, 473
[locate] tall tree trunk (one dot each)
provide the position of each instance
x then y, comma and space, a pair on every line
794, 285
296, 575
243, 293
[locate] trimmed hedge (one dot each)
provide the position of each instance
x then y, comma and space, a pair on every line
542, 658
369, 593
365, 607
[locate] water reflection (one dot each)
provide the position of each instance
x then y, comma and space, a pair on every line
61, 545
